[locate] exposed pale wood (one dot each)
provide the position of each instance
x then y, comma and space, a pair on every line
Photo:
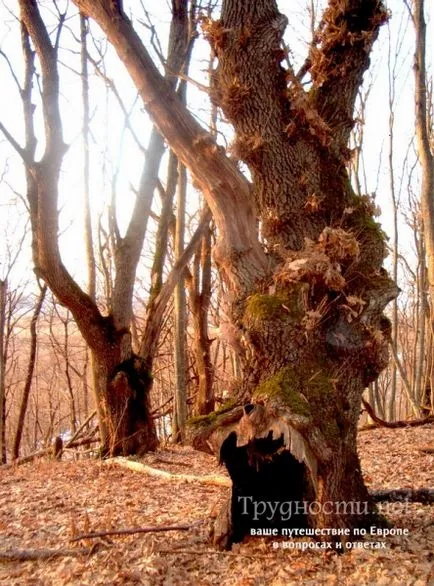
214, 480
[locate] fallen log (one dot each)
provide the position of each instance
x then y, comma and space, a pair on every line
25, 555
56, 449
27, 459
214, 480
378, 422
85, 441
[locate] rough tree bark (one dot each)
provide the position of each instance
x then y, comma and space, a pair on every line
307, 300
180, 318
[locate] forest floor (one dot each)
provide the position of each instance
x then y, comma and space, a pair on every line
43, 505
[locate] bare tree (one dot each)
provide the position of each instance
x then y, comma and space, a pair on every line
180, 317
426, 158
29, 375
199, 287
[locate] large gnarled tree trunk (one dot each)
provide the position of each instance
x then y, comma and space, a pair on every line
306, 297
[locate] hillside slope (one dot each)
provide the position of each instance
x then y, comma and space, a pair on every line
45, 504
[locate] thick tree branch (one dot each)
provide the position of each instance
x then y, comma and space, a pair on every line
226, 190
155, 529
42, 180
130, 247
14, 143
209, 479
157, 306
340, 58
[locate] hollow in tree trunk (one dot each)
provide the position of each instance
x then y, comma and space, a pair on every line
123, 387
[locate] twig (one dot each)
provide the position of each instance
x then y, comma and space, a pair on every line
426, 449
157, 529
80, 429
155, 413
211, 552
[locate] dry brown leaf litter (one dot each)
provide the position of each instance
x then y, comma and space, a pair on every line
45, 504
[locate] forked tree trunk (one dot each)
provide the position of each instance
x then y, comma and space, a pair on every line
121, 379
306, 299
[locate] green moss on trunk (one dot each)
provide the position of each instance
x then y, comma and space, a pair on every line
265, 307
212, 418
